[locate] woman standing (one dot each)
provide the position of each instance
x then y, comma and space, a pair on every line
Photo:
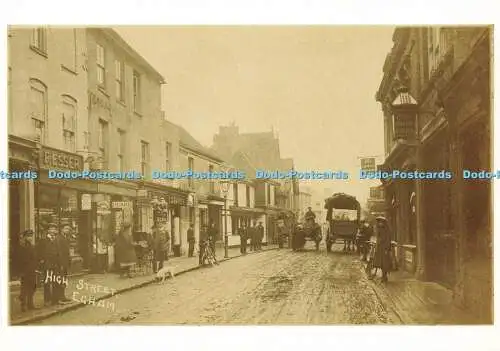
125, 250
383, 255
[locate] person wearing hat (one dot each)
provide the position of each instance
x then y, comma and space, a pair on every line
309, 214
158, 247
28, 264
191, 240
49, 259
125, 250
63, 245
383, 259
260, 235
243, 231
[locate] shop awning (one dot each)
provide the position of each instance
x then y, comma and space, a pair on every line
246, 210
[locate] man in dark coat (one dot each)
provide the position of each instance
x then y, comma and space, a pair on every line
212, 234
49, 259
191, 240
63, 240
158, 247
260, 235
383, 250
309, 214
28, 264
203, 239
252, 235
243, 239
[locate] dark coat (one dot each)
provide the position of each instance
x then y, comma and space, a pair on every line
190, 235
252, 233
212, 233
48, 253
243, 234
259, 232
382, 257
125, 249
28, 259
63, 251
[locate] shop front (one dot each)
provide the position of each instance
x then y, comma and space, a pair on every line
243, 217
163, 206
215, 210
22, 158
65, 204
112, 207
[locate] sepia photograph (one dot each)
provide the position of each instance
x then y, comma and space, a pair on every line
306, 175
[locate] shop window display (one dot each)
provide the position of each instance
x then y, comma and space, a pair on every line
60, 207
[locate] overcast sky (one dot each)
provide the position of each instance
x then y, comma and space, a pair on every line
315, 85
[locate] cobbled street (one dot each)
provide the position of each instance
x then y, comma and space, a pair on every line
274, 287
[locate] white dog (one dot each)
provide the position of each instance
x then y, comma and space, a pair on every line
165, 272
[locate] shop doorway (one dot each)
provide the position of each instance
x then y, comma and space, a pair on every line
439, 224
477, 193
14, 229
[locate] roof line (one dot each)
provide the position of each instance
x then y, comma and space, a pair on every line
112, 34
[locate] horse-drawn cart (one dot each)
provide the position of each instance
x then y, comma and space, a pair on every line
309, 231
343, 216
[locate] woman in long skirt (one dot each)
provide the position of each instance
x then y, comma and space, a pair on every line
383, 248
125, 250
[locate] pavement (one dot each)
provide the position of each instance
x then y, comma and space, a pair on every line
277, 287
103, 288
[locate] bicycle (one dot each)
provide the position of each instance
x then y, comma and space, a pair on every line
208, 254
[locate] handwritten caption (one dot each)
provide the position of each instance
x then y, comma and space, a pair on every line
90, 299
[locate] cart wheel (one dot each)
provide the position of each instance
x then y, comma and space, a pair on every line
368, 269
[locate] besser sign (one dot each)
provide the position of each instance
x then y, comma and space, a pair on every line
57, 159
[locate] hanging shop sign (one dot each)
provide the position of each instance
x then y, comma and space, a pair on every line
404, 127
368, 164
376, 192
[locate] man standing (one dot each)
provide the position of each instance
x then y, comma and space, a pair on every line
212, 233
28, 266
203, 239
48, 252
243, 239
252, 233
62, 240
158, 248
191, 240
260, 235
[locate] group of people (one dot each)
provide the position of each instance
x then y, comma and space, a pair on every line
253, 235
128, 250
50, 259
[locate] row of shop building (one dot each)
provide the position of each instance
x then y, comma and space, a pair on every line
436, 98
83, 99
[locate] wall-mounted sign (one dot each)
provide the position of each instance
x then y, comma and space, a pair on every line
121, 204
368, 164
97, 101
142, 193
60, 160
86, 202
376, 192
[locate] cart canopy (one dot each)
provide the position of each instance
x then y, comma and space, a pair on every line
342, 201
